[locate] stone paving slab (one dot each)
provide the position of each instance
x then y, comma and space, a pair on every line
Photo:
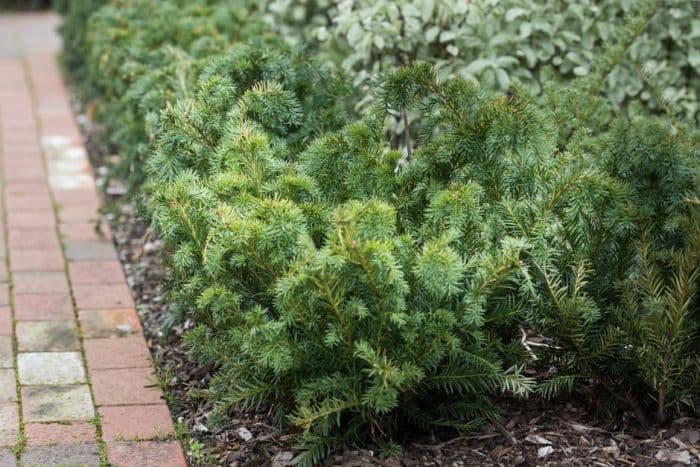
50, 456
7, 458
8, 390
57, 403
9, 424
47, 336
89, 250
7, 359
50, 368
70, 305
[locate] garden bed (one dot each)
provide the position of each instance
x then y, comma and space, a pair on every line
521, 439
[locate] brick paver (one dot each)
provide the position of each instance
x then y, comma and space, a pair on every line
43, 306
57, 403
69, 333
66, 433
146, 454
5, 321
109, 323
136, 422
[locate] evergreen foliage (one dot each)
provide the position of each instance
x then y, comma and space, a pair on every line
142, 54
252, 98
73, 31
345, 312
294, 262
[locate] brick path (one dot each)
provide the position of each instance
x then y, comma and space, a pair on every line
76, 382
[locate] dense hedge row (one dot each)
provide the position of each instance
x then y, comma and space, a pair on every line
24, 4
358, 280
525, 40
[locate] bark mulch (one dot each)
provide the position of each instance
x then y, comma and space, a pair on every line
535, 432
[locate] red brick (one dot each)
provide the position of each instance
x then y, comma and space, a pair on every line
5, 321
136, 422
21, 164
31, 219
76, 197
13, 125
42, 238
96, 272
59, 126
43, 307
32, 259
51, 434
113, 353
146, 454
109, 323
20, 152
94, 297
30, 169
125, 387
37, 282
80, 213
28, 203
28, 174
21, 138
85, 231
4, 295
27, 188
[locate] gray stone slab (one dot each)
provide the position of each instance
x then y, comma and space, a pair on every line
7, 359
8, 386
90, 250
73, 455
57, 403
50, 368
9, 424
7, 458
46, 336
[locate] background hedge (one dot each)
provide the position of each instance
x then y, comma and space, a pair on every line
24, 4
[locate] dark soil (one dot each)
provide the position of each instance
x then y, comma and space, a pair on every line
535, 432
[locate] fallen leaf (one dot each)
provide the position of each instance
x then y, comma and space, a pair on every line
544, 451
580, 428
689, 436
612, 450
282, 458
670, 455
537, 439
200, 427
244, 433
